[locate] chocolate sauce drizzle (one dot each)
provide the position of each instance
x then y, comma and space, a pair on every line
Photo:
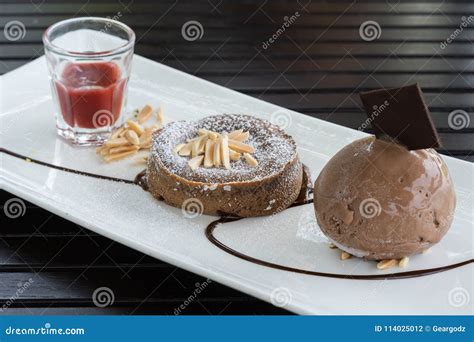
304, 198
65, 169
400, 275
140, 180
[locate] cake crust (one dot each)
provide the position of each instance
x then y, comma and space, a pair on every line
243, 190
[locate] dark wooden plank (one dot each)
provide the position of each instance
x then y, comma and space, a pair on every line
197, 307
344, 65
60, 251
315, 82
161, 293
108, 7
438, 20
69, 311
350, 101
355, 119
301, 35
248, 51
172, 284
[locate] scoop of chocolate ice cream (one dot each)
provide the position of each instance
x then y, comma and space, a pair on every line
377, 200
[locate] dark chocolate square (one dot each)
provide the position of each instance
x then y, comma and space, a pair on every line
401, 113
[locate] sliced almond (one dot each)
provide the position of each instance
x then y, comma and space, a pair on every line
145, 138
332, 246
159, 115
235, 133
213, 135
121, 149
144, 114
117, 133
240, 146
195, 162
242, 136
209, 153
234, 155
135, 126
250, 160
225, 152
132, 137
99, 149
178, 148
345, 256
217, 153
385, 264
202, 131
146, 143
116, 142
104, 150
185, 150
141, 160
155, 127
198, 146
117, 156
202, 144
403, 262
148, 131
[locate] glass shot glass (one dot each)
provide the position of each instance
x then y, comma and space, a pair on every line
89, 61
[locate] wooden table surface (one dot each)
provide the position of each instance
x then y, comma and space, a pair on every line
317, 66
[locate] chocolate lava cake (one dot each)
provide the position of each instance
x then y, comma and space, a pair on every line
228, 164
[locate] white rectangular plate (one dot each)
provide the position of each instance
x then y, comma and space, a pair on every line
127, 214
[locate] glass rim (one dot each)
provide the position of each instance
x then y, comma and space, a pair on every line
56, 49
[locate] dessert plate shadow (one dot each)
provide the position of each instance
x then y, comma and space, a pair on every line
291, 239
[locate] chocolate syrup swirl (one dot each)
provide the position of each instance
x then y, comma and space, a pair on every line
400, 275
305, 197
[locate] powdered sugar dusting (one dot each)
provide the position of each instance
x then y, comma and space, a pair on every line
273, 148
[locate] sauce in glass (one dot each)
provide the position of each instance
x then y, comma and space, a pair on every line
90, 94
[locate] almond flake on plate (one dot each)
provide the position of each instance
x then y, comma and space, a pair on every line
131, 137
144, 114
